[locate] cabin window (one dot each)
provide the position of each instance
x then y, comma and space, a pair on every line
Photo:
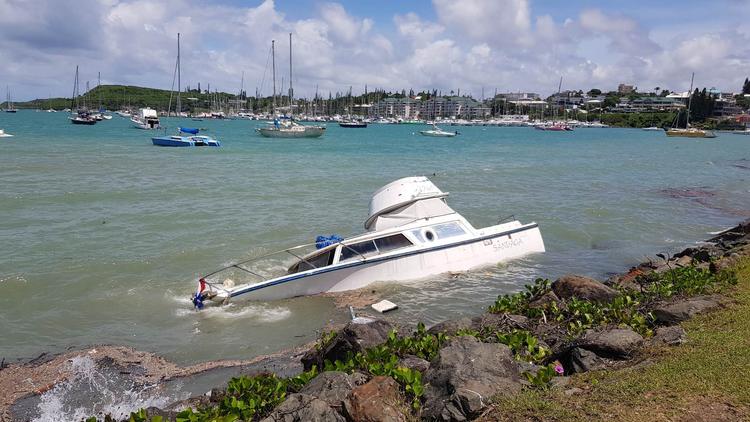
389, 243
357, 249
444, 231
318, 261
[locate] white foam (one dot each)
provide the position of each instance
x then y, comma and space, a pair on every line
104, 394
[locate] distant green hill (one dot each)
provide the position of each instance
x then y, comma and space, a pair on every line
115, 97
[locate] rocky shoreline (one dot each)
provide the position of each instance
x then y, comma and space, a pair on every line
372, 370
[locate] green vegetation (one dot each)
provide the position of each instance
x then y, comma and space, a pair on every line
660, 119
629, 309
703, 379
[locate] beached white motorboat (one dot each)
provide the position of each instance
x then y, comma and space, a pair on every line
146, 119
437, 132
412, 233
4, 135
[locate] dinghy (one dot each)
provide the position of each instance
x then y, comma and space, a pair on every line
411, 233
4, 135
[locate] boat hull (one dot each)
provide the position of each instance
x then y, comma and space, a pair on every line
690, 133
437, 134
464, 255
308, 132
353, 125
168, 141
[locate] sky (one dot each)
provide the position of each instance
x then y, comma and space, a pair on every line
473, 46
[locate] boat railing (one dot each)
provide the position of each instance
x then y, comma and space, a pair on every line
511, 217
294, 252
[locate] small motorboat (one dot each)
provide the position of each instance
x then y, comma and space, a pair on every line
353, 124
653, 129
4, 135
193, 140
437, 132
555, 127
147, 119
690, 132
742, 132
411, 233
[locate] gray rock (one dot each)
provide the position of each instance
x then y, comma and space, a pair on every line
332, 387
353, 338
677, 312
481, 370
671, 336
582, 287
451, 326
618, 343
582, 360
414, 363
302, 408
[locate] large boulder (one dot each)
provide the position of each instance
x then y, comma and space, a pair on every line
333, 387
617, 343
302, 408
674, 313
465, 375
356, 336
378, 400
581, 287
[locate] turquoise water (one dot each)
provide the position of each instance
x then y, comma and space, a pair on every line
102, 234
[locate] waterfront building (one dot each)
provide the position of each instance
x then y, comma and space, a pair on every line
625, 89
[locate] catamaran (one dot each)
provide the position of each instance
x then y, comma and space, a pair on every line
687, 131
411, 233
286, 127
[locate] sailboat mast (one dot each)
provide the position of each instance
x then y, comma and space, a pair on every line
291, 90
178, 107
75, 91
273, 67
99, 87
690, 101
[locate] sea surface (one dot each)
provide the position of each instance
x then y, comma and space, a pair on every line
102, 235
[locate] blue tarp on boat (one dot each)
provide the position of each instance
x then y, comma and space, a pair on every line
194, 131
323, 241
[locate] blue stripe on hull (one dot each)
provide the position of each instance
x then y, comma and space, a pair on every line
293, 277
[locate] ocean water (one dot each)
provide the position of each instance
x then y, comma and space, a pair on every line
102, 235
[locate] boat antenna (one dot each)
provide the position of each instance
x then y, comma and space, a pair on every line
690, 101
273, 67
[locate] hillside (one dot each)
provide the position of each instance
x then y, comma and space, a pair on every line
115, 97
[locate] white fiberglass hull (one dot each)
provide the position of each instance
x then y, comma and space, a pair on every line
489, 249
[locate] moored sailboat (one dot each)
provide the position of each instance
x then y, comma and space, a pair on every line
286, 127
687, 131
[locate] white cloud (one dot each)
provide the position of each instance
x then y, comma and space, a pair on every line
469, 45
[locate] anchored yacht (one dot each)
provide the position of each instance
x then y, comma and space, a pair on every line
411, 233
